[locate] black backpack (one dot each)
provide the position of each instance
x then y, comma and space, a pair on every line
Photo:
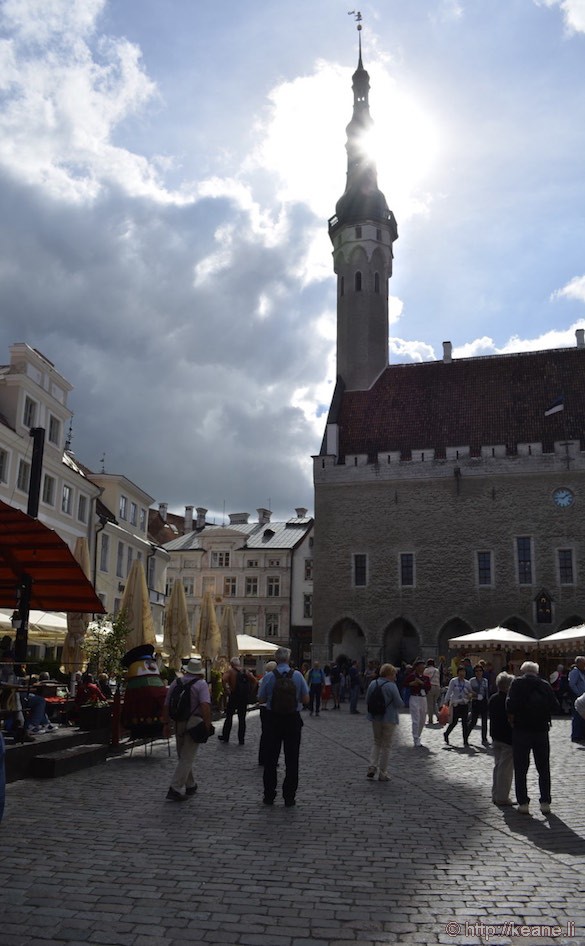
180, 700
376, 701
243, 690
284, 693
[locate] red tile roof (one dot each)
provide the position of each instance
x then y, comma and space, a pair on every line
473, 402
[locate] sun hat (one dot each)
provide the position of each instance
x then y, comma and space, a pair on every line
195, 666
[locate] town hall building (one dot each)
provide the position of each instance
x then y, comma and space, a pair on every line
447, 494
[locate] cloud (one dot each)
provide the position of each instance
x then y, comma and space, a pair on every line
573, 13
574, 289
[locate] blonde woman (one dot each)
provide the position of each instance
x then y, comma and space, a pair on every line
383, 723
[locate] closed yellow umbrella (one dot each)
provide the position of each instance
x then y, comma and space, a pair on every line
229, 638
177, 641
73, 657
136, 607
208, 642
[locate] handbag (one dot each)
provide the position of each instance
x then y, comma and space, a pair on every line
444, 714
200, 733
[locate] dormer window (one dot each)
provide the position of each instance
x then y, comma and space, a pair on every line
358, 281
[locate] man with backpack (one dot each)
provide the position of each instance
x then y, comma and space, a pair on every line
283, 692
240, 685
187, 703
530, 705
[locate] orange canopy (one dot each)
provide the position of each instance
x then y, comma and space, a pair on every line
29, 548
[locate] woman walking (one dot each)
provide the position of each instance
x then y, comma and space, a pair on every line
459, 693
383, 709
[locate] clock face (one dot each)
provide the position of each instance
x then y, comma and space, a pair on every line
563, 497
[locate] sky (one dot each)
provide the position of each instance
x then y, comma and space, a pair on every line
167, 171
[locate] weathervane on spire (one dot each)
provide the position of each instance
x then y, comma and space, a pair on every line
358, 18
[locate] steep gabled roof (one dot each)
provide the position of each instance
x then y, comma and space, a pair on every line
471, 402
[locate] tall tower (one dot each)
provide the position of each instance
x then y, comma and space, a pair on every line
362, 231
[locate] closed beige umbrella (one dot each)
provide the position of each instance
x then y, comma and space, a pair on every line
177, 641
73, 657
229, 638
208, 642
136, 606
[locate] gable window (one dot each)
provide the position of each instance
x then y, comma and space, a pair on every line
54, 434
66, 499
104, 552
566, 571
251, 587
48, 490
123, 507
120, 560
407, 569
220, 559
360, 570
133, 514
272, 625
3, 466
230, 587
23, 478
142, 519
273, 586
358, 281
307, 606
82, 508
484, 568
30, 412
524, 552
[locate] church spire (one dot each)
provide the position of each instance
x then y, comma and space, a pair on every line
362, 198
362, 231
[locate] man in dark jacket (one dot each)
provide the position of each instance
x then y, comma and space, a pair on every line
530, 705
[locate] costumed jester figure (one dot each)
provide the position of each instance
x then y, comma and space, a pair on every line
145, 693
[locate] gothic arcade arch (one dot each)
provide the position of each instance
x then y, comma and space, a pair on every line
401, 642
456, 627
573, 621
517, 624
346, 637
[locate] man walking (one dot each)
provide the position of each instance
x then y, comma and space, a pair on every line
183, 784
284, 692
530, 705
239, 685
315, 680
479, 703
577, 688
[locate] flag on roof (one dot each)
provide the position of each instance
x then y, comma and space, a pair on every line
556, 406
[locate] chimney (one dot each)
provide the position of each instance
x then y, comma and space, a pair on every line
447, 353
263, 516
239, 518
201, 513
188, 519
162, 511
301, 512
580, 335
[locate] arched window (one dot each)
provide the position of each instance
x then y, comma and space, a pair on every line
358, 281
341, 285
377, 282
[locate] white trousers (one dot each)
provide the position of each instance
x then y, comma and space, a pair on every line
186, 751
503, 771
418, 714
383, 735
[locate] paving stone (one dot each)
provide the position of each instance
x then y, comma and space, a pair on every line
333, 870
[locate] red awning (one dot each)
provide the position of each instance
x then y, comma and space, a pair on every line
28, 547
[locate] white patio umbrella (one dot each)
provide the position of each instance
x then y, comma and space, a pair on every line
208, 640
136, 606
73, 657
570, 641
255, 646
494, 637
177, 641
229, 638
